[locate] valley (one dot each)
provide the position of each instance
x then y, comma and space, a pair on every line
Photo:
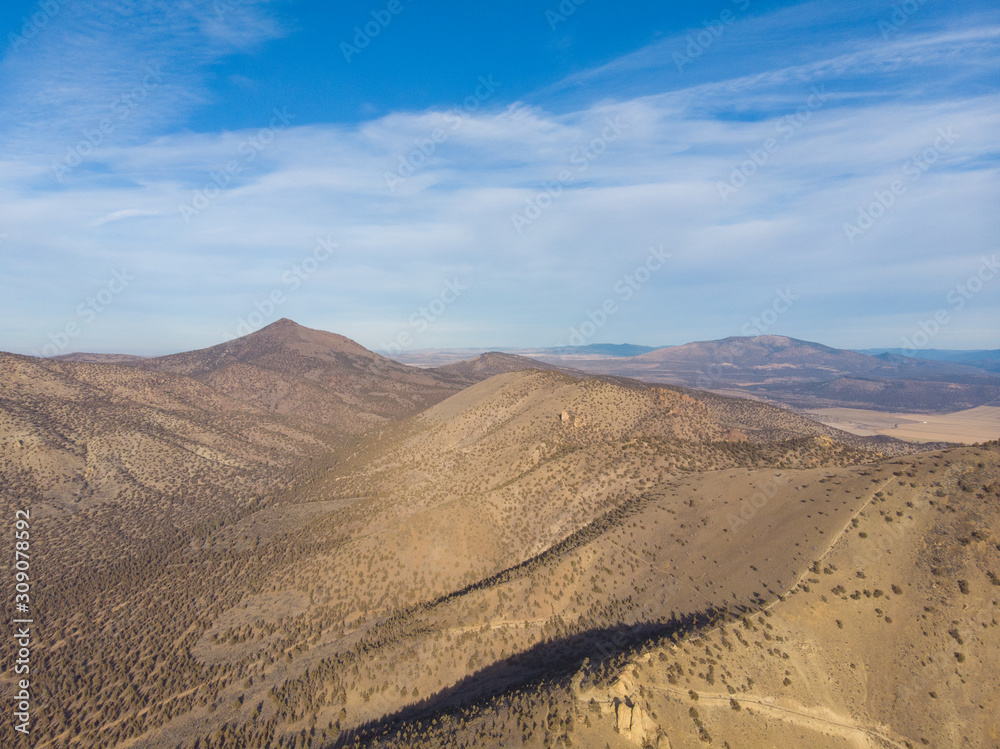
980, 424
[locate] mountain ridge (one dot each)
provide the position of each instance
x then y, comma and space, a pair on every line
288, 368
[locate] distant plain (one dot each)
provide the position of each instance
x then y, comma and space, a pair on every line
966, 427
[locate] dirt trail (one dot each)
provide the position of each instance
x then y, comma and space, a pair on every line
845, 725
498, 624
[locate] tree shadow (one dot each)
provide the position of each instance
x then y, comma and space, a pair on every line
551, 660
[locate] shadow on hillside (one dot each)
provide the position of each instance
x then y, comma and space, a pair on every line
551, 660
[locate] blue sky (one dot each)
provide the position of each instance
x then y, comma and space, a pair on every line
415, 174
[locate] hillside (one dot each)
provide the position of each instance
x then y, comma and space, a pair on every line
289, 369
885, 634
219, 573
120, 469
484, 527
491, 363
79, 436
100, 358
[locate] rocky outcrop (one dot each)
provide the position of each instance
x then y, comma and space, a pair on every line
632, 721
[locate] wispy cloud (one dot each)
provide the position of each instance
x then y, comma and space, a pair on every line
657, 184
91, 57
124, 214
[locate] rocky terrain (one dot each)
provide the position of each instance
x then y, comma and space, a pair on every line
288, 540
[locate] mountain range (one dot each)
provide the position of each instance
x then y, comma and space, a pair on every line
783, 370
288, 540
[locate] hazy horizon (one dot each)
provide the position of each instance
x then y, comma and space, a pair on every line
510, 347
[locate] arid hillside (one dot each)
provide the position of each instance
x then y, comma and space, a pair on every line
884, 634
492, 363
220, 573
121, 469
405, 567
100, 358
289, 369
80, 436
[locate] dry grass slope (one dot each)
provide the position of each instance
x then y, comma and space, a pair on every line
223, 562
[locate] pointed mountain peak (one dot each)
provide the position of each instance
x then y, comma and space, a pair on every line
285, 333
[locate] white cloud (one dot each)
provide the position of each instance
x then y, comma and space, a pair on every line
93, 62
123, 214
657, 183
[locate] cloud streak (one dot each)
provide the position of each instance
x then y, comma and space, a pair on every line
90, 56
655, 185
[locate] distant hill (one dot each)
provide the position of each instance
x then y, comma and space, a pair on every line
492, 363
443, 356
290, 369
100, 358
785, 369
890, 395
770, 358
982, 359
935, 354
